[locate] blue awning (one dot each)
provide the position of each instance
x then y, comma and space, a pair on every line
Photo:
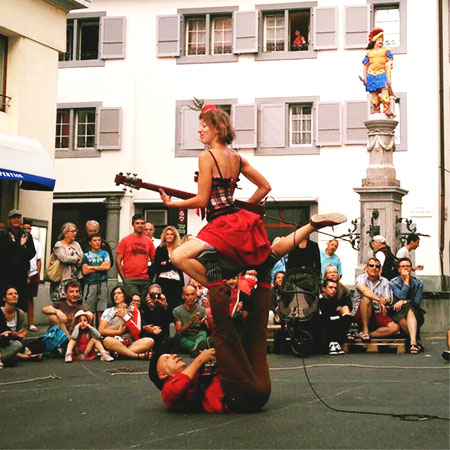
26, 161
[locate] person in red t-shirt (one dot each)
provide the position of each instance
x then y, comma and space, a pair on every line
133, 253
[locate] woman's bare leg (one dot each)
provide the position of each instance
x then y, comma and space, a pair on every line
184, 256
289, 242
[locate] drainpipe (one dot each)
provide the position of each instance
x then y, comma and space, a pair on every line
441, 144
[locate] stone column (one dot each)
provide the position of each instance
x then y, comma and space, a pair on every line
380, 193
112, 204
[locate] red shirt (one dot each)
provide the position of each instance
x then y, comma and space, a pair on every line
136, 250
182, 393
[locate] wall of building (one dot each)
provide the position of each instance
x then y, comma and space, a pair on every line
147, 88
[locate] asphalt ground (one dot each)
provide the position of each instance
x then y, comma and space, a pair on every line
113, 405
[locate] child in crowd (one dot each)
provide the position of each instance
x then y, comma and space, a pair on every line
83, 340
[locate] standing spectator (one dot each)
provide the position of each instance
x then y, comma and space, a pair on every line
328, 256
10, 341
383, 253
156, 317
16, 250
133, 253
406, 309
412, 242
168, 276
190, 321
280, 265
336, 316
305, 254
34, 276
95, 266
69, 254
93, 227
372, 294
149, 230
275, 296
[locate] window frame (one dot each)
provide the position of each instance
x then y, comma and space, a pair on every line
207, 13
312, 149
82, 153
402, 5
99, 62
4, 99
285, 54
178, 129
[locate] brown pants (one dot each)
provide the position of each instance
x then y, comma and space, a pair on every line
241, 359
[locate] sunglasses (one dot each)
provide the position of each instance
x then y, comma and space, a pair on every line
377, 266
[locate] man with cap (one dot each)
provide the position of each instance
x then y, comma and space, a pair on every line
383, 253
16, 250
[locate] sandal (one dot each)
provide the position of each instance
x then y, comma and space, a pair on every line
350, 337
414, 349
365, 338
145, 356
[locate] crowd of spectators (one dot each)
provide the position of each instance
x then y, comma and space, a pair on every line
87, 322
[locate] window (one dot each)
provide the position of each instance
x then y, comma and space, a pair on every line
391, 17
85, 44
291, 25
84, 129
187, 142
388, 18
3, 58
300, 125
91, 38
286, 31
222, 35
196, 37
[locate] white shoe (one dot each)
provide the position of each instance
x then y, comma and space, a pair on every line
105, 356
68, 358
33, 328
339, 349
332, 348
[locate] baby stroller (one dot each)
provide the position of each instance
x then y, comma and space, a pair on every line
299, 309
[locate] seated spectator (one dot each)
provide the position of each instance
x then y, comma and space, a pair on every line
121, 327
95, 265
11, 331
190, 321
84, 339
62, 313
336, 316
156, 317
275, 295
406, 309
69, 254
207, 305
372, 295
201, 291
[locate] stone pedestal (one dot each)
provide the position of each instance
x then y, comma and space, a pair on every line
380, 193
112, 204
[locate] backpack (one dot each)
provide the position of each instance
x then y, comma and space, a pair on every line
54, 339
390, 266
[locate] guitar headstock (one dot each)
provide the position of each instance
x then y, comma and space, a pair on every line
130, 180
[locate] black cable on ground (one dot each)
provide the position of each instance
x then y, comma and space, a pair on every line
405, 417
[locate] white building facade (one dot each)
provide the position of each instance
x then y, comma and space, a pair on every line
132, 68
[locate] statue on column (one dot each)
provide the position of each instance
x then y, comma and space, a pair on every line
377, 66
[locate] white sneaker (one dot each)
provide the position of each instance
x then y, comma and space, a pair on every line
33, 328
68, 358
105, 356
332, 348
339, 349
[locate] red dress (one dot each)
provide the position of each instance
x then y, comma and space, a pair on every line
238, 235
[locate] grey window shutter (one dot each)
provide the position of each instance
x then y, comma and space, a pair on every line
272, 125
356, 113
328, 129
356, 26
109, 125
112, 44
244, 123
189, 138
168, 35
245, 32
325, 28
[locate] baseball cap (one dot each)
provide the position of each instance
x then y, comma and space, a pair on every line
379, 238
14, 212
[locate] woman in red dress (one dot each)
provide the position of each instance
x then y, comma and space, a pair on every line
237, 234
